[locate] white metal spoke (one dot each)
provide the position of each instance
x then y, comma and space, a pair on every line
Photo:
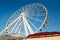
15, 25
37, 9
14, 21
15, 31
20, 25
28, 26
35, 19
41, 14
26, 32
32, 24
10, 25
32, 15
18, 12
32, 11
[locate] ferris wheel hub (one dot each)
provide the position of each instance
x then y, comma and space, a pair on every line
22, 14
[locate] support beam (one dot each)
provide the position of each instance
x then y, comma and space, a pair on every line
28, 26
25, 27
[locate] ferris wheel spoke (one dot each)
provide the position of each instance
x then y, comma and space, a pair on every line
15, 31
10, 25
13, 21
32, 11
18, 12
25, 27
15, 26
28, 26
20, 25
37, 9
32, 24
31, 15
38, 15
35, 19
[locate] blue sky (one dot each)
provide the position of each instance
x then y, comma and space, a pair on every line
8, 7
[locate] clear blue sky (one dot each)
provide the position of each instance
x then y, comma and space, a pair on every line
8, 7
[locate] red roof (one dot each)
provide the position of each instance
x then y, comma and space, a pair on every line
43, 34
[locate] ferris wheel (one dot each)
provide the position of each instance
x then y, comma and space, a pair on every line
27, 20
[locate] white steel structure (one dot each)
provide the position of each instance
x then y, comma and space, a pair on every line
27, 20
